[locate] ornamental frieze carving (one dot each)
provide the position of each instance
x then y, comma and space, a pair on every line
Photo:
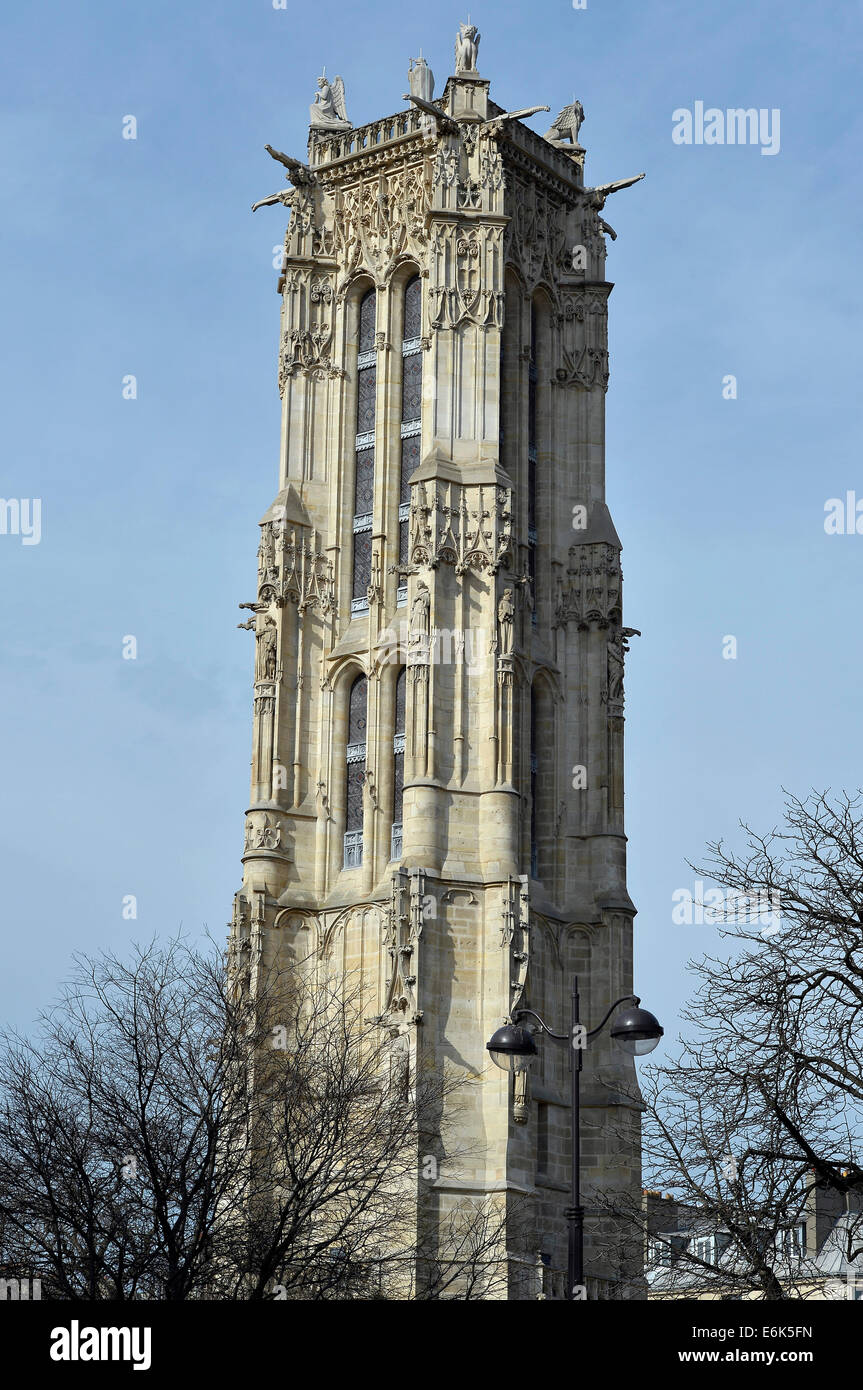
308, 327
582, 307
381, 219
466, 278
292, 570
469, 528
308, 232
303, 203
592, 592
446, 165
590, 234
262, 834
587, 368
402, 929
491, 173
536, 241
467, 173
583, 338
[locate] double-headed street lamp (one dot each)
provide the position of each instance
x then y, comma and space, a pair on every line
513, 1049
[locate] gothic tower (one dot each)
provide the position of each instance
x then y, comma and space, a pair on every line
437, 767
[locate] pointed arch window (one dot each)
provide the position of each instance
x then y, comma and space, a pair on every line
355, 773
534, 770
398, 766
532, 375
364, 471
411, 414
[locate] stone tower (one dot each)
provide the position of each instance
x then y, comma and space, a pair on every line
437, 767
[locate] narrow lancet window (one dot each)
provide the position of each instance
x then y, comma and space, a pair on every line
534, 770
398, 767
411, 413
355, 774
364, 474
531, 460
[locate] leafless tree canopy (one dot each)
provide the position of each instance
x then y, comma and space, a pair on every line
761, 1110
165, 1135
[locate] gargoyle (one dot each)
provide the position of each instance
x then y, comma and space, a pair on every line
297, 174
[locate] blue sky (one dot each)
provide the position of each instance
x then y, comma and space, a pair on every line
131, 777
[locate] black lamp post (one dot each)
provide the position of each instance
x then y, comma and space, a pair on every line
513, 1049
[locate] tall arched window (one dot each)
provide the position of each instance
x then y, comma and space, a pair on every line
411, 413
355, 774
531, 457
364, 475
543, 761
534, 774
398, 766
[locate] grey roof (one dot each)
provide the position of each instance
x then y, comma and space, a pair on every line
599, 530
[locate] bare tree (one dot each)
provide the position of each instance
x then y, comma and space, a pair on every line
169, 1135
760, 1113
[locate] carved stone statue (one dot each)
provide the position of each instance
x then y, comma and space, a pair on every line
267, 549
420, 79
616, 649
265, 653
618, 646
420, 609
566, 127
506, 622
327, 111
466, 47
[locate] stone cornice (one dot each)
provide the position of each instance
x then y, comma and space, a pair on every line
375, 157
540, 161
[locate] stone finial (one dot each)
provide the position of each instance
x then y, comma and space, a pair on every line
327, 111
466, 47
421, 78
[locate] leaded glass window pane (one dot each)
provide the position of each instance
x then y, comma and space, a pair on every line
356, 777
367, 321
362, 562
531, 412
365, 482
353, 849
364, 478
357, 713
400, 701
410, 463
413, 308
398, 787
355, 771
412, 387
534, 854
366, 391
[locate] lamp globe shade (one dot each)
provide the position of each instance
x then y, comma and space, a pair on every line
637, 1031
512, 1047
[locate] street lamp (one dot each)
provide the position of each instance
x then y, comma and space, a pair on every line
513, 1049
